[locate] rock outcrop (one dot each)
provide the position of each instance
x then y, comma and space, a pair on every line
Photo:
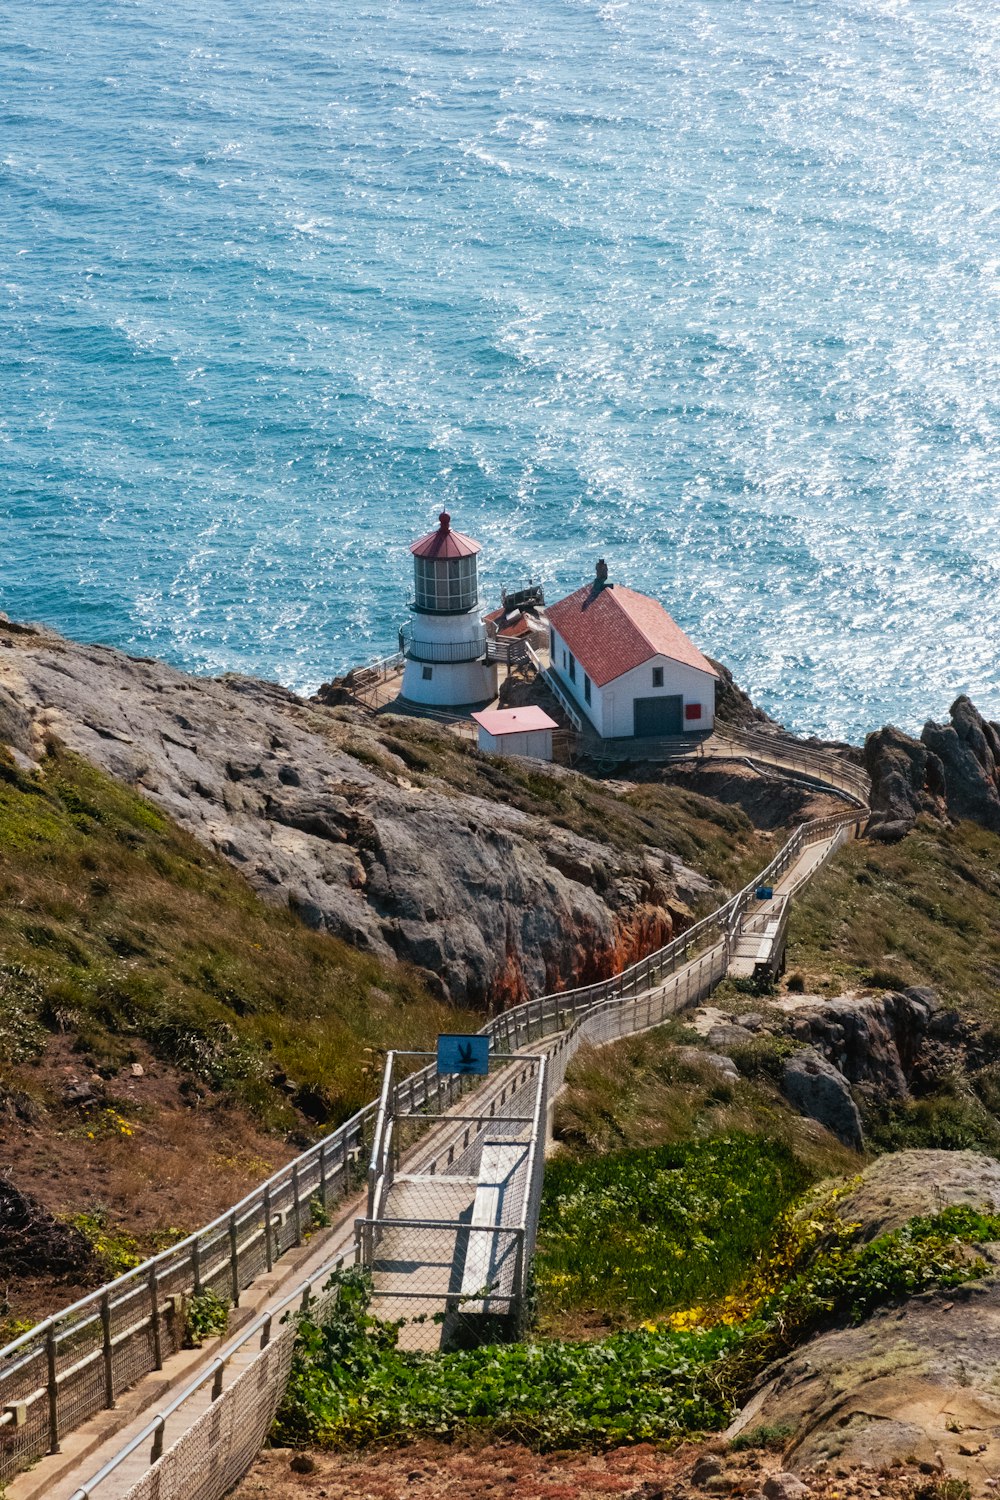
952, 771
492, 903
734, 706
907, 780
913, 1383
969, 751
820, 1091
855, 1053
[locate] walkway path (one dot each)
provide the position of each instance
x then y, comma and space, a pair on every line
193, 1381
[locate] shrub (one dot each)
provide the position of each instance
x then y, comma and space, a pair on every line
634, 1233
115, 1251
206, 1316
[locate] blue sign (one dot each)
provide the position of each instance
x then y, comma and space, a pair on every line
463, 1054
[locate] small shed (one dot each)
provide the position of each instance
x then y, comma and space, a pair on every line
516, 731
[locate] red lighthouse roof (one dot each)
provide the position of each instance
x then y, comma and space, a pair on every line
444, 542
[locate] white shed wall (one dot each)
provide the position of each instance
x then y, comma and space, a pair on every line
536, 743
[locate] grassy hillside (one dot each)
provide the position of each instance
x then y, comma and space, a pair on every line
116, 926
923, 911
166, 1039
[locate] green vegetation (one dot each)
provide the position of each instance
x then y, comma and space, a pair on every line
206, 1316
115, 1251
351, 1384
640, 1232
115, 925
644, 1091
923, 911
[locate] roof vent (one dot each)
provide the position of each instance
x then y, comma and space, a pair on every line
445, 521
601, 578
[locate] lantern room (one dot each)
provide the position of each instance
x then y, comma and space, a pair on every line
445, 572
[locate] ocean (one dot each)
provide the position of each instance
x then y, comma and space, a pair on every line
709, 288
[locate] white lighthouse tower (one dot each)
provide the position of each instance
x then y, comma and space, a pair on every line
445, 642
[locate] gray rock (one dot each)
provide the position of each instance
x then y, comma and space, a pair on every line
728, 1034
817, 1090
969, 751
902, 1185
490, 899
952, 771
716, 1061
907, 779
785, 1487
883, 1044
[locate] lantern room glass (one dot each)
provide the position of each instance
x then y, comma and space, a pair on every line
445, 585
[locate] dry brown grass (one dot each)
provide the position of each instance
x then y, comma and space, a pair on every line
638, 1092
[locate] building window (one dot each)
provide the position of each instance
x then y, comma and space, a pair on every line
564, 658
692, 710
657, 676
428, 673
572, 667
552, 644
586, 688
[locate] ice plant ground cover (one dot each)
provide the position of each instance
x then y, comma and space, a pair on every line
351, 1384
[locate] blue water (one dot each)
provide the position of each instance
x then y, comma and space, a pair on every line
708, 287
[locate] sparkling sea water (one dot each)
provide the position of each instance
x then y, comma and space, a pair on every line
709, 288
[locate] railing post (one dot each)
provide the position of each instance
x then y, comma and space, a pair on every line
157, 1450
217, 1382
296, 1203
53, 1389
108, 1351
196, 1265
234, 1260
154, 1318
322, 1174
268, 1229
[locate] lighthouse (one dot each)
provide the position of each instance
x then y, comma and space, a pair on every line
445, 642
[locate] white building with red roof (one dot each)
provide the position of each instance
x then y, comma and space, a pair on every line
516, 731
628, 665
444, 645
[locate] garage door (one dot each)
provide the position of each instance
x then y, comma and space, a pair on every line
663, 715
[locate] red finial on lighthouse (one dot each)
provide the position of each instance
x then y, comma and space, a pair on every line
445, 520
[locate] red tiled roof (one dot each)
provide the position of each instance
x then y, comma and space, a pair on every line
500, 721
616, 629
444, 542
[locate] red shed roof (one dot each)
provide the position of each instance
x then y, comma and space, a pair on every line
500, 721
614, 629
444, 542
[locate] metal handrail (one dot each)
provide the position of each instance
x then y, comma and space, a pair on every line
443, 651
272, 1213
565, 1040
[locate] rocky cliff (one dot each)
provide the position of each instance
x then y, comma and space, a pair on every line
318, 810
952, 771
915, 1383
